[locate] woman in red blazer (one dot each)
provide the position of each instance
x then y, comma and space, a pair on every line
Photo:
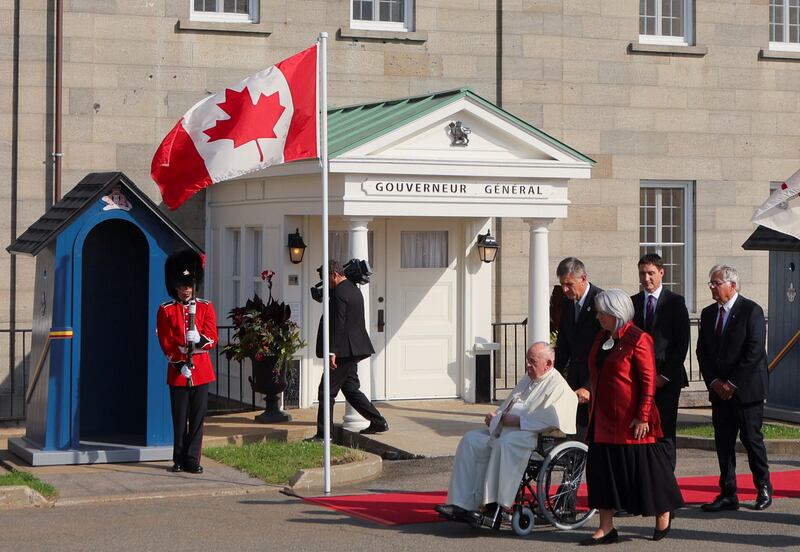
626, 468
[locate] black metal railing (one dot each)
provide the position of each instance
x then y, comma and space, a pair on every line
509, 359
16, 345
231, 392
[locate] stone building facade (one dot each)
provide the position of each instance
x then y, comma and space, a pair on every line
690, 114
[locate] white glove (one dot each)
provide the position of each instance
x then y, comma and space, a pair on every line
193, 336
186, 372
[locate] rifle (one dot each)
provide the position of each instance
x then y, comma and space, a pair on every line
190, 346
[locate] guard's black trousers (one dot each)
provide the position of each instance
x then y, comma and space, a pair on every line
345, 378
189, 406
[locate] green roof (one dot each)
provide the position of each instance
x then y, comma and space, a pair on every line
354, 125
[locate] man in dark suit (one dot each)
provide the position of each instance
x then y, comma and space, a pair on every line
577, 329
349, 344
733, 360
663, 314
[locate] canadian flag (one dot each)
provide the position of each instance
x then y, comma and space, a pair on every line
781, 211
267, 119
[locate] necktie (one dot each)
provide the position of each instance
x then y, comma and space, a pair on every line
650, 314
720, 320
577, 310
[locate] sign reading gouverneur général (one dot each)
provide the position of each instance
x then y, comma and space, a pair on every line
419, 188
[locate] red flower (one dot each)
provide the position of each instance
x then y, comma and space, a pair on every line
259, 356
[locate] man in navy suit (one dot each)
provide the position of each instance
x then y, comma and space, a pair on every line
733, 360
577, 329
349, 344
662, 313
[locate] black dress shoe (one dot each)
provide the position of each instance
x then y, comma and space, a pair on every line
659, 534
375, 428
720, 503
764, 498
452, 512
609, 538
317, 438
176, 468
194, 469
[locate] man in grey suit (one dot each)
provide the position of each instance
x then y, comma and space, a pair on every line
731, 352
577, 329
349, 344
662, 313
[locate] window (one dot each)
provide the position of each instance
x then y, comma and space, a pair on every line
666, 21
254, 261
386, 15
784, 25
423, 249
227, 11
339, 246
665, 227
233, 255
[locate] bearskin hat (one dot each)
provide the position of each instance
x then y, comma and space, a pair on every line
183, 267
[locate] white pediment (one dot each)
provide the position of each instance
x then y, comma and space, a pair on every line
492, 139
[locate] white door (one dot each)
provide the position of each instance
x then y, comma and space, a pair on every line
421, 309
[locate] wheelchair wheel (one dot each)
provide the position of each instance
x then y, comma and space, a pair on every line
522, 521
557, 486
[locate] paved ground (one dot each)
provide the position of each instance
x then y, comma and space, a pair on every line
427, 429
270, 521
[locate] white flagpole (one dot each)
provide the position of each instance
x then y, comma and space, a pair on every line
323, 157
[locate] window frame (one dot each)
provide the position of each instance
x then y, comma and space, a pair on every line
785, 45
688, 27
232, 277
253, 14
376, 25
688, 269
254, 245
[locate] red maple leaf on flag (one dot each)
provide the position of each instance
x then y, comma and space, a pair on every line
248, 121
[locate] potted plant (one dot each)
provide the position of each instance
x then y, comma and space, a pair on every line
265, 333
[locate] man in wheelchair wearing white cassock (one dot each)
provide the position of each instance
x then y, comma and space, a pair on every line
490, 462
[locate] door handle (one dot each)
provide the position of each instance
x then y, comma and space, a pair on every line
381, 322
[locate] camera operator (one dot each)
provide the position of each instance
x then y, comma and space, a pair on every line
349, 344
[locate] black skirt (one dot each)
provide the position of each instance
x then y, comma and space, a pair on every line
634, 478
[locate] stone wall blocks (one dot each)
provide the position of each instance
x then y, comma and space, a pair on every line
697, 144
579, 7
766, 100
593, 218
633, 143
545, 6
658, 97
684, 120
525, 22
540, 46
123, 130
628, 73
599, 27
412, 65
626, 118
580, 71
727, 122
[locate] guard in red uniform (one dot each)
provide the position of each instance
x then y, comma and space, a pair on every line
186, 338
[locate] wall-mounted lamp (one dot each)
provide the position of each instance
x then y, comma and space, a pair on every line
487, 247
297, 247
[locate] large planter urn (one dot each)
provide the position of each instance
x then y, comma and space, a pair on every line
270, 382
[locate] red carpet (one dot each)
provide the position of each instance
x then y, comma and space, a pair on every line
417, 507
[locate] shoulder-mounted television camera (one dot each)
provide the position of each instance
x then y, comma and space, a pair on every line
357, 271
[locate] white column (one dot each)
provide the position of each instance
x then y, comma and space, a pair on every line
359, 248
538, 281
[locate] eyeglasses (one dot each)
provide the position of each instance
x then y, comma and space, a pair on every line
713, 284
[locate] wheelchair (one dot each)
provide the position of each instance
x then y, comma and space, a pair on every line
548, 490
